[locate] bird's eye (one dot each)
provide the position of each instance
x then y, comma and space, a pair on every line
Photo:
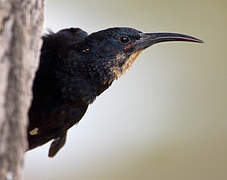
125, 39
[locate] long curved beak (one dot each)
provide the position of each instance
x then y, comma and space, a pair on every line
148, 39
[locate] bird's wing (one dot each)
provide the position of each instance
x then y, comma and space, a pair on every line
51, 120
50, 115
57, 45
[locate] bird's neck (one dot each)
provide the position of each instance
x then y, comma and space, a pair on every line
86, 80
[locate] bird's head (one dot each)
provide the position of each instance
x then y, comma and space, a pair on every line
112, 51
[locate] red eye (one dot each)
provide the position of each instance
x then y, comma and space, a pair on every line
125, 39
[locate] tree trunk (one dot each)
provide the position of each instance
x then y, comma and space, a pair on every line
20, 31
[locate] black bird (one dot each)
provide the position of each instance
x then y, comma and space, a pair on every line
74, 69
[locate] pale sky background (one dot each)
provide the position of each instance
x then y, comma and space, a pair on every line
166, 118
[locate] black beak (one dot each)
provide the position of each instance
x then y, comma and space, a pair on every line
148, 39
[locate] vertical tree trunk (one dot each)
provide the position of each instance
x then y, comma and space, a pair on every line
20, 31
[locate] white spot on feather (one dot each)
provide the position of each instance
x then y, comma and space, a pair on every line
34, 131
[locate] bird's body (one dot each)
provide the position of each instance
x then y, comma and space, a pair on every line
74, 69
54, 110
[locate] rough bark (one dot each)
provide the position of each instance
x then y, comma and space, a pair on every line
20, 31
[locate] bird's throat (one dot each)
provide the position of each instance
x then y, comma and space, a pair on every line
124, 63
130, 61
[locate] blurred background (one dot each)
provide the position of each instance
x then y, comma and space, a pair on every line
166, 118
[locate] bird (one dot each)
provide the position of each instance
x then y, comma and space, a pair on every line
75, 67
